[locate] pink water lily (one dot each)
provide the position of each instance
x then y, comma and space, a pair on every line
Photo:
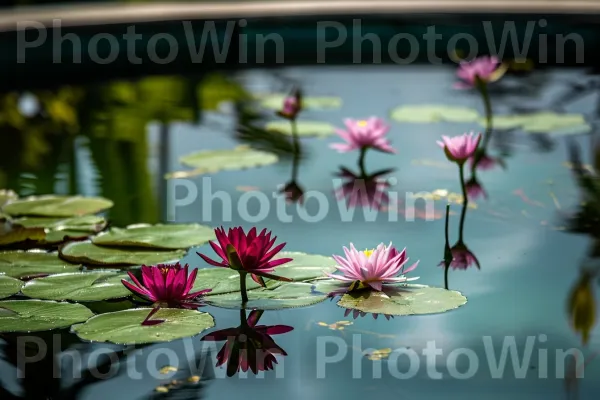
250, 253
460, 148
373, 268
482, 69
166, 285
292, 105
364, 134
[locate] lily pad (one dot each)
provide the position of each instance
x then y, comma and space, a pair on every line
210, 161
9, 286
56, 206
304, 128
79, 286
542, 122
6, 196
275, 102
25, 264
303, 267
87, 223
125, 327
12, 235
287, 295
54, 237
40, 315
88, 253
434, 113
175, 236
404, 300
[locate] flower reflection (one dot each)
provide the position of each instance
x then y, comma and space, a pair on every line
462, 257
359, 314
249, 346
293, 192
474, 189
361, 190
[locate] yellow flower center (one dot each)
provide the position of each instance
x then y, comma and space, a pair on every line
362, 123
368, 252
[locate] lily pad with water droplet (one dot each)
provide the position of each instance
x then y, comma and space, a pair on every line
434, 113
304, 128
125, 327
56, 206
25, 264
80, 286
542, 122
275, 102
303, 267
287, 295
40, 315
175, 236
89, 253
404, 300
211, 161
9, 286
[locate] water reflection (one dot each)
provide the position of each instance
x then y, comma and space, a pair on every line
249, 346
360, 314
363, 189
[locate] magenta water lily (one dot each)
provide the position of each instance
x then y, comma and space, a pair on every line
460, 148
247, 253
373, 268
364, 134
478, 71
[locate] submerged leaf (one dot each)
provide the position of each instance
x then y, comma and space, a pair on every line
40, 315
125, 327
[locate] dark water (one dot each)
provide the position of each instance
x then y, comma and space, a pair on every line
529, 261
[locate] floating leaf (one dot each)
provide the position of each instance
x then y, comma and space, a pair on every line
89, 253
79, 286
56, 206
404, 300
210, 161
6, 196
9, 286
303, 267
54, 237
434, 113
542, 122
11, 235
288, 295
25, 264
275, 102
86, 223
125, 327
40, 315
304, 128
175, 236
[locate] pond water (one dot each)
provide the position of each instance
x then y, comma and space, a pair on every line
529, 261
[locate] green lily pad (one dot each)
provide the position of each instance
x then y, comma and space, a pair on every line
210, 161
87, 223
56, 206
54, 237
125, 327
9, 286
404, 300
275, 102
6, 196
434, 113
542, 122
10, 234
79, 286
25, 264
287, 295
304, 128
175, 236
88, 253
303, 267
40, 315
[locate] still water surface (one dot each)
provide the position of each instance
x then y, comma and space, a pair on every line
529, 262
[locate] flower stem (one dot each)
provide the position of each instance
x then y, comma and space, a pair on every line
296, 142
488, 115
447, 249
463, 213
361, 161
446, 269
243, 288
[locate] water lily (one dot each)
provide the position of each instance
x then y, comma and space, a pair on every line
460, 148
292, 105
363, 191
372, 268
166, 285
249, 346
364, 134
474, 189
480, 70
249, 253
